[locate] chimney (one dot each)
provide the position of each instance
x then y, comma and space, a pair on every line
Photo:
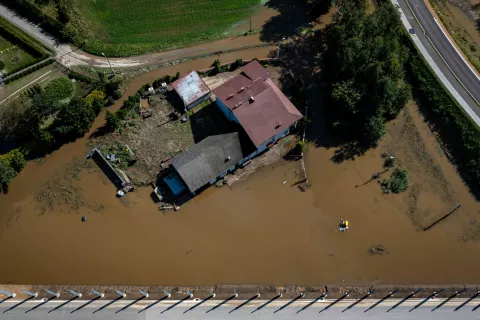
241, 89
252, 99
228, 158
230, 96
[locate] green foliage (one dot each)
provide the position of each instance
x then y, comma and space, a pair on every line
59, 89
110, 101
373, 131
158, 82
397, 183
389, 162
80, 77
112, 85
302, 146
15, 159
26, 72
74, 119
2, 65
113, 120
117, 94
238, 63
364, 64
7, 174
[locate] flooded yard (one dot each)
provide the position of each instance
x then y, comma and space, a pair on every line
259, 231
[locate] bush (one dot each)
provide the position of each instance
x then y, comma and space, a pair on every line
302, 146
59, 89
94, 95
74, 119
15, 159
2, 65
110, 102
117, 94
397, 183
374, 131
6, 175
80, 77
113, 120
389, 162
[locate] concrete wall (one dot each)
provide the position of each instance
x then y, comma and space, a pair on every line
226, 111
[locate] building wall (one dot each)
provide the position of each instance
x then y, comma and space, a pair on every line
223, 174
264, 146
226, 111
196, 103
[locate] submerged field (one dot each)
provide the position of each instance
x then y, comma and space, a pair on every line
125, 27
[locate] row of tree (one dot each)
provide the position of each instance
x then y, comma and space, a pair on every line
50, 118
364, 65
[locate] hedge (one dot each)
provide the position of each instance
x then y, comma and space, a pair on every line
80, 77
25, 72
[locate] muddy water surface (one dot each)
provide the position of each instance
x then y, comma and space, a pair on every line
258, 232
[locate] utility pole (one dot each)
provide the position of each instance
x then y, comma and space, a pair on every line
250, 23
103, 54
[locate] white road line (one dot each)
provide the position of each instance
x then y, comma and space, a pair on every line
435, 67
10, 96
456, 50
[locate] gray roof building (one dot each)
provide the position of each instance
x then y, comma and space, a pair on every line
205, 161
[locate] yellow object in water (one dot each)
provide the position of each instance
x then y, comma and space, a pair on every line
346, 224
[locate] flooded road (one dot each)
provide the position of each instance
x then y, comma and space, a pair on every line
258, 232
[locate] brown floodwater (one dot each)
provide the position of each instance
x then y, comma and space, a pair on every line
260, 231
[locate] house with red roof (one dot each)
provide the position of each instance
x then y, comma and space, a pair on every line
254, 101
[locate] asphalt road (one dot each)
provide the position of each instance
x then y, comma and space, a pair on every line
445, 49
271, 311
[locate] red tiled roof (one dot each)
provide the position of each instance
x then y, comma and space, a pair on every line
190, 87
268, 113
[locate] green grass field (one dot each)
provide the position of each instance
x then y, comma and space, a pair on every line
16, 58
5, 44
126, 27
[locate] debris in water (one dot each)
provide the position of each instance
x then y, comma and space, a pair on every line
284, 182
84, 218
377, 250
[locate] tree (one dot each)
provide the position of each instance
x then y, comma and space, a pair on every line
43, 106
113, 120
117, 94
2, 65
16, 159
58, 89
374, 131
364, 64
6, 175
74, 119
397, 183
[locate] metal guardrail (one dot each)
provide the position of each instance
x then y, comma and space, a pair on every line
188, 295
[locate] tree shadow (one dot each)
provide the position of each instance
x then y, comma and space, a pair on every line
100, 132
292, 16
348, 151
